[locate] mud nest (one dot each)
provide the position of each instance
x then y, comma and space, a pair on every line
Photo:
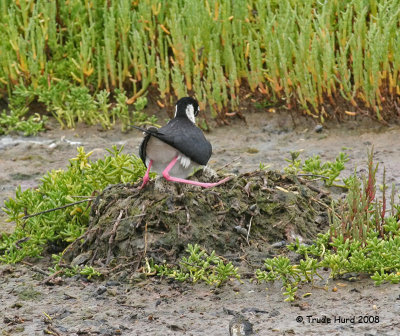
239, 219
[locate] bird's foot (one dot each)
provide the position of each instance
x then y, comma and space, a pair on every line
210, 185
145, 180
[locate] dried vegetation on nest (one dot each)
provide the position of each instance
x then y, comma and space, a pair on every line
239, 220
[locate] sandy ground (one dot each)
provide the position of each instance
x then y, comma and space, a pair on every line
30, 306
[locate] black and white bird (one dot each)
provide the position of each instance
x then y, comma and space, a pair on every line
177, 148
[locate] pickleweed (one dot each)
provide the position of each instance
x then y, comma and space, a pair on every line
198, 266
82, 178
364, 237
309, 56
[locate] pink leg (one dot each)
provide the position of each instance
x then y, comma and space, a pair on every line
177, 179
146, 176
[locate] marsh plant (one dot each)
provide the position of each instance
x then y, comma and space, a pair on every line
313, 167
364, 237
198, 266
73, 104
58, 188
305, 54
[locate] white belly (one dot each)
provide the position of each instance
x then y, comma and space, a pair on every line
162, 154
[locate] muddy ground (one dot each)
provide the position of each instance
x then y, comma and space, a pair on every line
30, 306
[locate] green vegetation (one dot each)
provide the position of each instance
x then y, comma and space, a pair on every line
364, 238
70, 271
16, 122
313, 166
71, 104
70, 55
199, 266
364, 235
59, 188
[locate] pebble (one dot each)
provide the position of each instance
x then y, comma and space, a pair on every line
240, 229
318, 128
112, 283
101, 289
279, 244
240, 326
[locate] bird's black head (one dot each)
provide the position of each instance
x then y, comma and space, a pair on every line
187, 107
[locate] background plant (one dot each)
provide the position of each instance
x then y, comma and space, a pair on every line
306, 54
58, 188
364, 237
328, 170
71, 104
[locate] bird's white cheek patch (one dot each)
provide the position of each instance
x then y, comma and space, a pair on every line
190, 113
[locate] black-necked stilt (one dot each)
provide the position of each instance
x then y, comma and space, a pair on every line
177, 148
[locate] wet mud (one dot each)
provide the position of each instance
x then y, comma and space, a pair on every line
30, 304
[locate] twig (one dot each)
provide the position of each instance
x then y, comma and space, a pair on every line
145, 239
52, 331
112, 236
314, 175
248, 231
39, 270
229, 163
59, 208
326, 206
120, 266
52, 276
69, 247
313, 187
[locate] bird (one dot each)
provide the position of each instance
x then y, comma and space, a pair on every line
177, 148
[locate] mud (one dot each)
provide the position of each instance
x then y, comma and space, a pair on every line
31, 305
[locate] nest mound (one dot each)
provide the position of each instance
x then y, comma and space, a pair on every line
242, 217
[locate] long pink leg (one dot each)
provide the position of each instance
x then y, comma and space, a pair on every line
146, 176
180, 180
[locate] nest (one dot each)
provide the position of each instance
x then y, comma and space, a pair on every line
239, 219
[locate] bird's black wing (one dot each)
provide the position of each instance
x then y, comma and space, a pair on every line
183, 135
142, 148
186, 137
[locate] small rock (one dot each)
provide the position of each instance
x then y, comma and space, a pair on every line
253, 207
100, 290
240, 229
318, 128
240, 326
62, 329
274, 313
133, 316
175, 327
279, 244
81, 258
112, 292
351, 277
254, 310
112, 283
